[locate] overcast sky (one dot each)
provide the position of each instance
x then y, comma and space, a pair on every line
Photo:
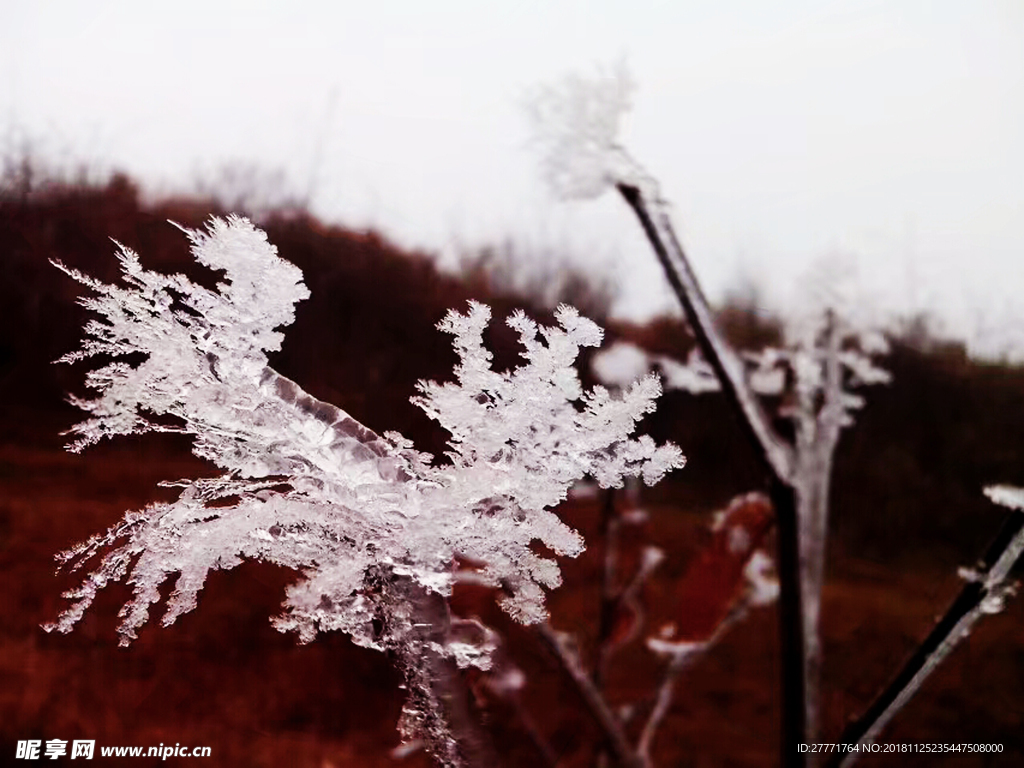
783, 131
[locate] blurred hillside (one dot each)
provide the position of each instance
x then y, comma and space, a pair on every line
363, 339
909, 474
907, 509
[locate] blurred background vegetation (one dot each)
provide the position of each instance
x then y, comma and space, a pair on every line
907, 499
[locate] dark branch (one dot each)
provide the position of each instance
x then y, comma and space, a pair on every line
965, 611
610, 593
617, 743
719, 354
776, 455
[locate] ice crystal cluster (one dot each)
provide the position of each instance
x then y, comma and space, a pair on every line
832, 342
622, 363
576, 125
306, 486
1007, 495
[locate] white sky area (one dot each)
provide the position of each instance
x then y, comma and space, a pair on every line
781, 132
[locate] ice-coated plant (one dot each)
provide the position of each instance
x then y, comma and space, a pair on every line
832, 345
373, 526
995, 579
576, 122
830, 349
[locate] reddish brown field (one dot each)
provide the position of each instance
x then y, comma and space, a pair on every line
222, 677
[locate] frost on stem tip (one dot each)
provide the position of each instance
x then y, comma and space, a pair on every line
306, 486
623, 363
576, 124
832, 345
1007, 496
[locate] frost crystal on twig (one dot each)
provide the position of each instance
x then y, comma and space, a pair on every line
312, 487
576, 123
1007, 495
373, 526
831, 349
825, 356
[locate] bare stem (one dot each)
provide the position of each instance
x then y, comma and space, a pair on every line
609, 591
969, 606
719, 354
666, 690
776, 455
606, 720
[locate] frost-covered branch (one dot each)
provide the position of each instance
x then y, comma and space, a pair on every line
830, 351
370, 523
985, 593
576, 124
723, 359
730, 577
820, 366
831, 346
566, 137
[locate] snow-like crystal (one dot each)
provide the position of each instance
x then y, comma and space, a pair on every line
1007, 495
308, 487
576, 122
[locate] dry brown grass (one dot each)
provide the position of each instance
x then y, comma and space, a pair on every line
223, 677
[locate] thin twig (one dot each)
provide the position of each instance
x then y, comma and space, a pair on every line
719, 354
610, 593
666, 690
536, 736
969, 606
776, 455
606, 720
